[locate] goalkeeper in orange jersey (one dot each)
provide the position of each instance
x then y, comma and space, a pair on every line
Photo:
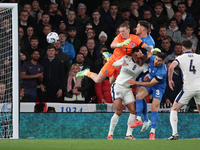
122, 45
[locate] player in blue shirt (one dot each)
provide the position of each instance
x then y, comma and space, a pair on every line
155, 88
142, 32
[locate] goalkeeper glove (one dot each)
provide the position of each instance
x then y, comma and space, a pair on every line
126, 42
155, 50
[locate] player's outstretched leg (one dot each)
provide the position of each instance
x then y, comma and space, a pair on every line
97, 78
146, 122
139, 109
106, 55
82, 73
154, 120
173, 122
113, 123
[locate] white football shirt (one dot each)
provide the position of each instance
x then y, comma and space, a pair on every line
189, 64
131, 71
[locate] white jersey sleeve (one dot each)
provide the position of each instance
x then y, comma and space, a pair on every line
119, 62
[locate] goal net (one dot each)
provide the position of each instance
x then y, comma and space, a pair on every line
9, 72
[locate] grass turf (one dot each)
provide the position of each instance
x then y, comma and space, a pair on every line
98, 144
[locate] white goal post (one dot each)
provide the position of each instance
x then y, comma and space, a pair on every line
14, 103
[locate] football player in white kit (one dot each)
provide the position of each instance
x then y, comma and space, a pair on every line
189, 64
122, 93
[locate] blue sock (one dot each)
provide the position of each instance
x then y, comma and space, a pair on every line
145, 111
154, 119
139, 107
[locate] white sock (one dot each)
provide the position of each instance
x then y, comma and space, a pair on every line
173, 121
153, 130
139, 118
113, 123
130, 121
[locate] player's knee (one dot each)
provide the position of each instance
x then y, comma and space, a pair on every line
138, 96
133, 111
118, 112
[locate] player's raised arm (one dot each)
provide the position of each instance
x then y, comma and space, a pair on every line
115, 44
119, 62
170, 73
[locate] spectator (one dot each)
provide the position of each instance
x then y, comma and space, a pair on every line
23, 97
45, 17
62, 56
75, 88
39, 108
23, 20
65, 6
104, 10
43, 40
190, 36
187, 17
144, 6
192, 7
112, 19
31, 19
70, 22
90, 35
55, 15
22, 57
102, 89
99, 25
126, 15
51, 110
134, 11
181, 24
21, 41
88, 61
103, 48
27, 36
81, 17
72, 39
31, 74
170, 95
166, 47
66, 47
80, 60
53, 80
93, 53
176, 53
36, 9
103, 38
62, 27
4, 98
121, 4
163, 34
34, 46
173, 30
159, 18
169, 9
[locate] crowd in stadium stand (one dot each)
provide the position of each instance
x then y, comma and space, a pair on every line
86, 28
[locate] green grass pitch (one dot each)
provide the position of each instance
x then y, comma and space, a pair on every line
98, 144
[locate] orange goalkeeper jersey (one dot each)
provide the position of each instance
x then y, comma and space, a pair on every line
126, 50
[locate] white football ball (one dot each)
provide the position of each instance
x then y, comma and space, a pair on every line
52, 38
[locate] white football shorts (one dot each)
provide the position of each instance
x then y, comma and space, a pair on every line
125, 93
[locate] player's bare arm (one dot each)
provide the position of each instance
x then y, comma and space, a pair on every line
148, 84
170, 74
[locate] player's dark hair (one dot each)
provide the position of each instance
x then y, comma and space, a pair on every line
124, 25
187, 44
161, 55
144, 24
135, 49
